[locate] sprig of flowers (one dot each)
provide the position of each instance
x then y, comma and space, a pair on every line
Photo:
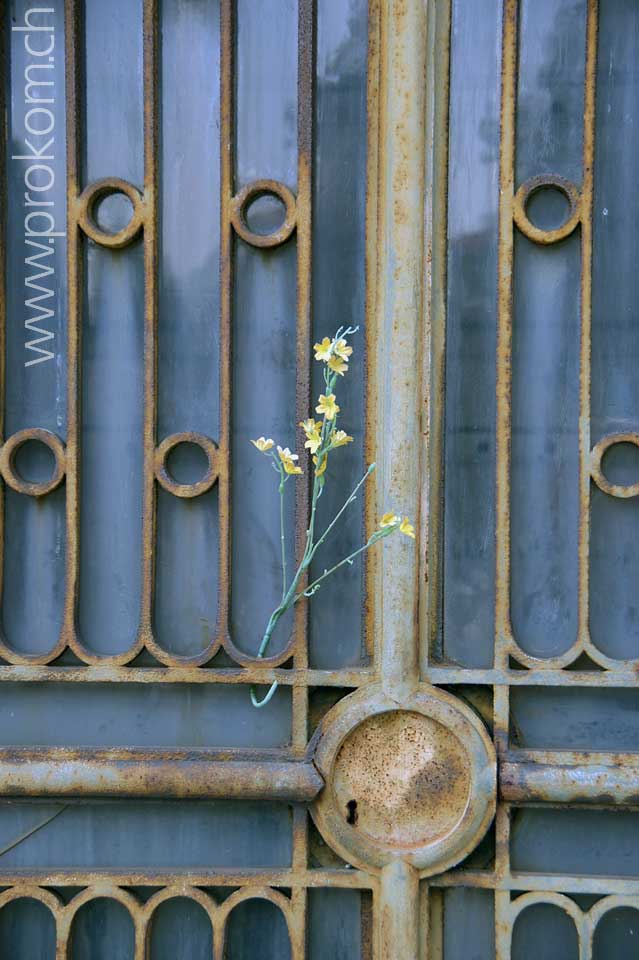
321, 438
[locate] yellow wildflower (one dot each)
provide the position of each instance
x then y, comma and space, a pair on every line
262, 444
327, 406
288, 460
323, 350
312, 429
389, 519
337, 365
321, 470
342, 350
340, 437
407, 528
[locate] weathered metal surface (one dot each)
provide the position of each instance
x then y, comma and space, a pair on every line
413, 780
569, 781
397, 777
398, 911
71, 773
436, 238
513, 210
142, 913
163, 475
411, 776
596, 469
9, 451
399, 313
528, 189
251, 192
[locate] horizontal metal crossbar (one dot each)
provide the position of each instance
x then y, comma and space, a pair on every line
60, 772
613, 779
87, 773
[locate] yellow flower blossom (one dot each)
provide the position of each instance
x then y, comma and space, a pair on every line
263, 444
337, 365
340, 437
342, 350
288, 460
327, 406
312, 429
323, 350
321, 470
389, 519
407, 528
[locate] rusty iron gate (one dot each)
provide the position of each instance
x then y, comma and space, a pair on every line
193, 191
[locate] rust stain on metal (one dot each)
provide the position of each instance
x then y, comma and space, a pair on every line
434, 372
306, 27
609, 781
163, 774
253, 191
402, 778
503, 629
399, 777
9, 451
163, 474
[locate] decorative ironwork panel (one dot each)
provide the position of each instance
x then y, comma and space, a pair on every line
192, 192
530, 609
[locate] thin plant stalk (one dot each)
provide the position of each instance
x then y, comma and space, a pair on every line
322, 439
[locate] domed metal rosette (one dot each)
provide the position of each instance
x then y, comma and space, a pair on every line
414, 781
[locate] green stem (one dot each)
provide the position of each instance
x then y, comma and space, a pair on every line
262, 703
346, 504
282, 537
349, 559
289, 597
291, 601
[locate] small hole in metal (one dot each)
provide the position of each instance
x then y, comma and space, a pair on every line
34, 462
265, 215
113, 212
548, 208
351, 816
187, 462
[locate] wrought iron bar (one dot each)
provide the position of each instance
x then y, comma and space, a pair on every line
74, 773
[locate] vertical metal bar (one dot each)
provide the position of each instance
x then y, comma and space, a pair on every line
305, 110
398, 912
501, 712
433, 948
503, 632
503, 927
142, 938
502, 844
399, 321
74, 309
299, 894
366, 926
501, 728
150, 317
227, 40
586, 321
62, 942
372, 501
436, 178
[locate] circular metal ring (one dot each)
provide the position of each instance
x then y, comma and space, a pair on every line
620, 490
10, 450
414, 780
97, 191
263, 188
186, 490
534, 185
